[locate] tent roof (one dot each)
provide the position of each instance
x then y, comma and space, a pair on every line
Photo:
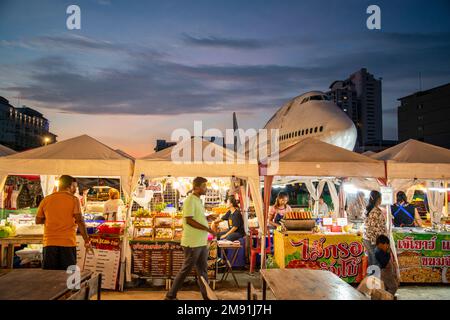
414, 159
80, 156
312, 157
368, 153
195, 157
208, 148
82, 147
413, 151
5, 151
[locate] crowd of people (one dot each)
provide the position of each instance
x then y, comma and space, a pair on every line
61, 213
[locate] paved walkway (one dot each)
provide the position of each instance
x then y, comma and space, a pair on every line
228, 291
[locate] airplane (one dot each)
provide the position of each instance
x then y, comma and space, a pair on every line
311, 114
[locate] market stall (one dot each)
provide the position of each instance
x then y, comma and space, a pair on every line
305, 241
175, 167
81, 156
422, 253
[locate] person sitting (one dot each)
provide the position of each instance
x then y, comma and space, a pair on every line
385, 262
405, 214
235, 222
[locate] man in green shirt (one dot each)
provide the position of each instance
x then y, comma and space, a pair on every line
194, 239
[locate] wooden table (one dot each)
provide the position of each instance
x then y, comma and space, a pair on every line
9, 243
35, 284
229, 262
307, 284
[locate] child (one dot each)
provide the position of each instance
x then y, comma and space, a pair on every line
386, 264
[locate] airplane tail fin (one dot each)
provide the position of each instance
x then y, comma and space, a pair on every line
235, 129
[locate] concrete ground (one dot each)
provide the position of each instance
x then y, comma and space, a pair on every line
228, 290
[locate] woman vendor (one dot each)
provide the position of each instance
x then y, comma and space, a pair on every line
405, 214
235, 222
111, 208
279, 209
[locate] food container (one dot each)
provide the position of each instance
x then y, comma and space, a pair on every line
116, 227
303, 225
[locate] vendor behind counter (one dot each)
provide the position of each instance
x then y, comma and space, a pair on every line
405, 214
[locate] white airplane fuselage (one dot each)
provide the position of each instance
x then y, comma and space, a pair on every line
312, 115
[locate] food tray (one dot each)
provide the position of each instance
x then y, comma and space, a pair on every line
299, 224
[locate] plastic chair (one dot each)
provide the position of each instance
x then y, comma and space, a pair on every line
254, 251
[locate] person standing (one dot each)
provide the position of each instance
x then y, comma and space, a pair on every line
60, 213
405, 214
111, 208
279, 209
375, 225
194, 240
323, 208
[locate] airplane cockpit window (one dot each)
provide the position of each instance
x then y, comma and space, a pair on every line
319, 97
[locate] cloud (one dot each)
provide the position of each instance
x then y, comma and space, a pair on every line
81, 43
149, 83
223, 42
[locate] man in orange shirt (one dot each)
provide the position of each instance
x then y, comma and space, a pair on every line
60, 213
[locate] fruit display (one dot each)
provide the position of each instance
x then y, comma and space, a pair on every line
144, 233
162, 215
163, 234
300, 215
7, 230
143, 222
116, 227
98, 193
142, 213
177, 222
163, 222
177, 234
219, 210
160, 206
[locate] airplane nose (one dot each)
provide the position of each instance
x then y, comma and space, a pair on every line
341, 131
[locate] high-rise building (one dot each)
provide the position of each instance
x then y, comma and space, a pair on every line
360, 97
23, 128
163, 144
425, 116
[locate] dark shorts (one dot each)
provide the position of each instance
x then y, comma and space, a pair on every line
59, 258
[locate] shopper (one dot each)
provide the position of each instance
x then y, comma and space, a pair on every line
323, 208
405, 214
111, 208
279, 209
375, 225
194, 240
386, 263
60, 213
235, 222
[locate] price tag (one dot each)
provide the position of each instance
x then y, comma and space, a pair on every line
387, 196
342, 222
327, 221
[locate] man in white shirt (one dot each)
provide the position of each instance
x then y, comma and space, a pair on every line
323, 208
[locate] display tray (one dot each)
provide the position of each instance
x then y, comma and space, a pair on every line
305, 225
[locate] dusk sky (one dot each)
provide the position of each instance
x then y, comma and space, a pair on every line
139, 69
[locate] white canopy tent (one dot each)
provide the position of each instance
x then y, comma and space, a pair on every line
414, 159
5, 151
413, 162
312, 158
79, 156
198, 157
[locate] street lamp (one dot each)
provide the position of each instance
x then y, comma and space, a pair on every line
46, 140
